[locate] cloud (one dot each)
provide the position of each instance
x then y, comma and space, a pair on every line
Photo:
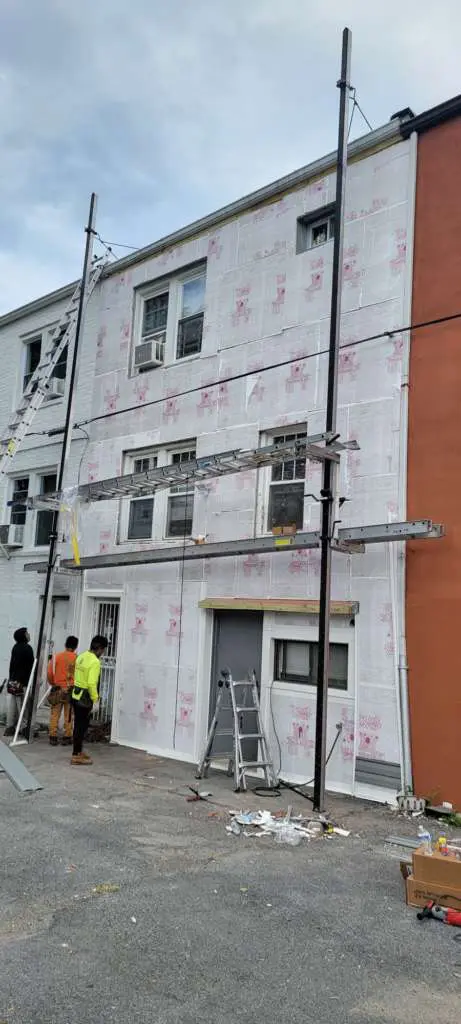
171, 110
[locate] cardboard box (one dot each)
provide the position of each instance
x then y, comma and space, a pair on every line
437, 869
420, 893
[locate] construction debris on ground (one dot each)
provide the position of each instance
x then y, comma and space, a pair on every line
283, 826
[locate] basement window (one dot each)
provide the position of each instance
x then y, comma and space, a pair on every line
297, 662
315, 229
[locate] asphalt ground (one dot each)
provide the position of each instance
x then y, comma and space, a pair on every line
122, 902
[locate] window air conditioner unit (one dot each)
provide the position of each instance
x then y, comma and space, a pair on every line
151, 352
12, 536
56, 388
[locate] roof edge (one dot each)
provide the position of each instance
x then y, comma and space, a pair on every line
392, 131
432, 118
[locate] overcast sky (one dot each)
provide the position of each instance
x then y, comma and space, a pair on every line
169, 109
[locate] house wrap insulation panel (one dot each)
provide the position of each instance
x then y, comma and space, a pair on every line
265, 304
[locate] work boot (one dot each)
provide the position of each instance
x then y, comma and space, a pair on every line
87, 757
66, 741
81, 759
10, 731
53, 741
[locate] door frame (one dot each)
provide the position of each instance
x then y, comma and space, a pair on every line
86, 620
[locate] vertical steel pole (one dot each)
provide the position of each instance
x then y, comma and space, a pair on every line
68, 425
329, 468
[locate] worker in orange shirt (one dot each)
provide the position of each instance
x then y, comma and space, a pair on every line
61, 679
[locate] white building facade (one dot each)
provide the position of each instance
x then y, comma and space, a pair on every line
215, 339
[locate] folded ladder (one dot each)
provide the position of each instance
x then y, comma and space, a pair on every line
244, 697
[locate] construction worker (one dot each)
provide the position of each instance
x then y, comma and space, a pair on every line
61, 679
21, 665
85, 694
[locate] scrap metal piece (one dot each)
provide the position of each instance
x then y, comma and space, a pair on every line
16, 771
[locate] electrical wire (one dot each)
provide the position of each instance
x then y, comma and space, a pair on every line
297, 789
356, 104
85, 449
275, 366
116, 245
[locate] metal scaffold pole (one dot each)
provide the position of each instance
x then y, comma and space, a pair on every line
68, 425
328, 494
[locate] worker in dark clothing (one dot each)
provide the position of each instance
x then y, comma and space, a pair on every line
21, 664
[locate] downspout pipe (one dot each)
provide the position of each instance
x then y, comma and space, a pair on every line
400, 611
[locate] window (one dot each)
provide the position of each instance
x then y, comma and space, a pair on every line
141, 515
60, 369
44, 520
19, 501
169, 320
33, 355
297, 662
286, 492
32, 361
190, 326
315, 229
180, 500
155, 315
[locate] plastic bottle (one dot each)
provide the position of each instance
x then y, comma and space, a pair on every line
442, 846
425, 839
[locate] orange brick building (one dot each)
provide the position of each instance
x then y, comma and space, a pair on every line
433, 592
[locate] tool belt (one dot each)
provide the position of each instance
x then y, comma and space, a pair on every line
54, 696
15, 689
58, 695
82, 697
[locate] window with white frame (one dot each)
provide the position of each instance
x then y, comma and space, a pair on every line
44, 517
297, 661
141, 516
286, 488
32, 359
33, 355
168, 513
169, 320
190, 323
314, 229
181, 500
19, 496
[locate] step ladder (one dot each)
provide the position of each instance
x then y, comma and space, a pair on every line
38, 387
244, 699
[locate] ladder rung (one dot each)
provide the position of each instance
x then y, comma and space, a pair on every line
250, 736
246, 707
254, 764
243, 682
225, 732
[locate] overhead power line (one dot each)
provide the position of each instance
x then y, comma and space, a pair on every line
272, 366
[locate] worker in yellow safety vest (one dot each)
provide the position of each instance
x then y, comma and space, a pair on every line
85, 694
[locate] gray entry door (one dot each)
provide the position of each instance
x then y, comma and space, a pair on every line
237, 645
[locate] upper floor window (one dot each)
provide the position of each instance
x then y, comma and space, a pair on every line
31, 529
169, 320
33, 355
44, 517
286, 489
32, 360
190, 325
20, 493
314, 229
181, 500
167, 512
